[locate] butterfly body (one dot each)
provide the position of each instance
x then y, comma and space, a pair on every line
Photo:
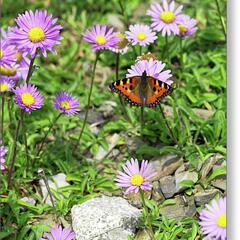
142, 90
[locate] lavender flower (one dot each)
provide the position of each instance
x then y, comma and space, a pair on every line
140, 34
153, 68
7, 53
165, 18
133, 178
66, 103
101, 38
3, 151
36, 30
28, 97
213, 220
6, 85
59, 233
187, 26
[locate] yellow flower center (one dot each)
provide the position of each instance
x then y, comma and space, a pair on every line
222, 221
3, 87
137, 180
1, 53
36, 34
65, 104
167, 16
18, 56
123, 41
141, 36
182, 28
27, 99
100, 39
8, 71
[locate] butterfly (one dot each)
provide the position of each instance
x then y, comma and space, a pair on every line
142, 90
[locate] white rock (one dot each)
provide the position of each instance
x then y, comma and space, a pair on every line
104, 218
57, 181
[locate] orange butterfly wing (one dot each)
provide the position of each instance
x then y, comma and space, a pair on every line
157, 91
127, 88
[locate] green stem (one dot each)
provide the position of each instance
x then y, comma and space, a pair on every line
14, 151
181, 59
46, 134
140, 50
2, 118
221, 20
166, 49
25, 141
125, 16
148, 220
30, 70
168, 127
89, 99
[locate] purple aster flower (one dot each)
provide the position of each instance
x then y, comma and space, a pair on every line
6, 85
140, 34
3, 151
59, 233
133, 178
36, 30
122, 45
213, 220
165, 18
66, 103
28, 97
21, 59
187, 26
153, 68
101, 38
7, 53
14, 72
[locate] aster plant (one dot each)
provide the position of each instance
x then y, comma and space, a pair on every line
3, 152
101, 38
59, 233
153, 68
28, 98
213, 220
36, 30
137, 178
165, 17
67, 104
140, 34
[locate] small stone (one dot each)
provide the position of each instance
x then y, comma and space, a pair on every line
208, 165
107, 109
220, 183
135, 198
143, 235
112, 142
28, 200
166, 165
167, 185
181, 176
205, 196
133, 143
184, 207
57, 181
157, 194
93, 117
104, 218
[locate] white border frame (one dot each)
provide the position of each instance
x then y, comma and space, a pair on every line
233, 120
